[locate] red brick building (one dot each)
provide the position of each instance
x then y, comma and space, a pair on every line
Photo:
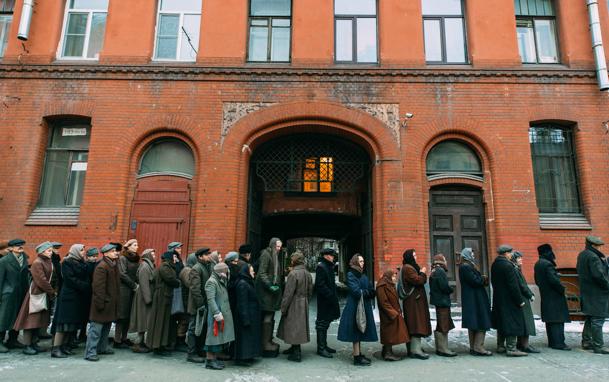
384, 125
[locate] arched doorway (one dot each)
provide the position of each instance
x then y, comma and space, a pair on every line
160, 212
311, 186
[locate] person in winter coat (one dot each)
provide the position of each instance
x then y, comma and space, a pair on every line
328, 309
14, 283
128, 264
165, 281
197, 305
245, 254
393, 326
507, 313
105, 303
527, 311
554, 308
594, 289
416, 308
91, 261
142, 301
220, 330
179, 320
71, 311
269, 287
247, 319
475, 305
360, 289
440, 293
293, 327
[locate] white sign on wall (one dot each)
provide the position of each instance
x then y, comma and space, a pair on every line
73, 131
79, 166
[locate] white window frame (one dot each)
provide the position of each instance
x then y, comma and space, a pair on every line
5, 32
85, 49
180, 33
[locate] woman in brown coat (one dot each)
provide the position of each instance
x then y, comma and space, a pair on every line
142, 301
41, 271
416, 308
393, 327
128, 264
294, 325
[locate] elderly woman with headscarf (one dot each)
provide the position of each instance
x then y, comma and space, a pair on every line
527, 311
72, 307
476, 308
220, 330
393, 326
142, 301
360, 289
128, 264
247, 319
416, 307
440, 292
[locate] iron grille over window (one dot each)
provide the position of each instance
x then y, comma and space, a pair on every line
310, 163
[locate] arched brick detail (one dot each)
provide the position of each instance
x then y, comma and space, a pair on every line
58, 108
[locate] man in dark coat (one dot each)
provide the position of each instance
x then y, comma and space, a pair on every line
197, 305
554, 309
179, 321
508, 302
245, 254
105, 303
328, 309
594, 289
14, 283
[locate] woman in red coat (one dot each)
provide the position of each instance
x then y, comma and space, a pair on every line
393, 327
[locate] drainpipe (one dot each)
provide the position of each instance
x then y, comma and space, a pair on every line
597, 45
26, 19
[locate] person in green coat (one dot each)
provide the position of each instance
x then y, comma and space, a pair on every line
527, 311
220, 330
14, 283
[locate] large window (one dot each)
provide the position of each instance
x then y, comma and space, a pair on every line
84, 28
355, 31
536, 31
270, 29
444, 31
168, 156
65, 165
554, 169
450, 158
177, 32
6, 17
318, 174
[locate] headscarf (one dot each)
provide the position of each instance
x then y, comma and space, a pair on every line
408, 259
546, 252
386, 278
221, 269
147, 254
215, 257
297, 258
244, 273
354, 263
74, 252
467, 254
439, 261
515, 256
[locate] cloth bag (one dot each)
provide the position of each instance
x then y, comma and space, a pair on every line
200, 320
360, 315
38, 302
177, 304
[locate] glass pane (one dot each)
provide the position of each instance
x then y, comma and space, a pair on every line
171, 156
452, 156
433, 40
355, 7
526, 41
280, 44
442, 7
167, 37
366, 40
96, 39
259, 22
546, 41
70, 136
188, 50
281, 22
271, 8
55, 177
5, 26
77, 23
89, 4
75, 35
344, 40
534, 7
258, 44
7, 6
76, 184
181, 6
455, 40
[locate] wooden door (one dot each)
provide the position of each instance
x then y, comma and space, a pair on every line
161, 212
456, 218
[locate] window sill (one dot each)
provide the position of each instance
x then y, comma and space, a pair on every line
64, 216
564, 221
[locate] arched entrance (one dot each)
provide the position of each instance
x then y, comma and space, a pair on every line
311, 185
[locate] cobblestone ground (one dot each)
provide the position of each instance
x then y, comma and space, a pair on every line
550, 365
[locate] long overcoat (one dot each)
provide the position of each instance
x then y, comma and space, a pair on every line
106, 292
325, 287
142, 301
475, 305
14, 283
358, 286
247, 319
439, 289
198, 276
270, 272
416, 307
41, 271
593, 282
218, 302
75, 292
293, 328
507, 314
165, 281
527, 310
554, 307
393, 327
128, 264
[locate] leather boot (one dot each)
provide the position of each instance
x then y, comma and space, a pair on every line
415, 349
295, 355
511, 349
194, 358
271, 338
479, 349
388, 355
500, 344
57, 353
13, 341
442, 349
65, 348
322, 346
288, 350
359, 360
268, 349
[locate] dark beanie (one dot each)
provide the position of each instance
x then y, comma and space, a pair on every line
245, 248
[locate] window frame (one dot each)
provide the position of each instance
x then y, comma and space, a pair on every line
7, 13
269, 19
318, 181
532, 19
85, 50
181, 15
441, 19
160, 141
354, 18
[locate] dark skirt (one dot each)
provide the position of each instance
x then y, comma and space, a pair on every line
66, 328
444, 321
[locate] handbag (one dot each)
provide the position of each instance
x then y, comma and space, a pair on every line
38, 302
177, 304
360, 315
400, 287
200, 320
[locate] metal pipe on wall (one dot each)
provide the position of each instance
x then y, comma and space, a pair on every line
26, 20
597, 45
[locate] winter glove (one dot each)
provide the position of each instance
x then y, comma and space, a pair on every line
274, 288
219, 317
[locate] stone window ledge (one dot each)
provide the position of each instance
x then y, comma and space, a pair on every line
564, 221
65, 216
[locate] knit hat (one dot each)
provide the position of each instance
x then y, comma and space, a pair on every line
129, 243
221, 269
43, 247
544, 249
215, 257
167, 255
231, 256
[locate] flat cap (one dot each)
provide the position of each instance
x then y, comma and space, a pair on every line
202, 251
504, 248
16, 243
108, 247
92, 252
173, 245
43, 247
56, 244
594, 240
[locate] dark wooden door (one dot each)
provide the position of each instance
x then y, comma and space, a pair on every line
456, 218
161, 212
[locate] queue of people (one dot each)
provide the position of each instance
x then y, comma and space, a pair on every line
218, 309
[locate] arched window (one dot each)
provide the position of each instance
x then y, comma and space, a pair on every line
450, 158
168, 156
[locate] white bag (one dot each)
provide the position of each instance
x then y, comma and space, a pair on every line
38, 302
